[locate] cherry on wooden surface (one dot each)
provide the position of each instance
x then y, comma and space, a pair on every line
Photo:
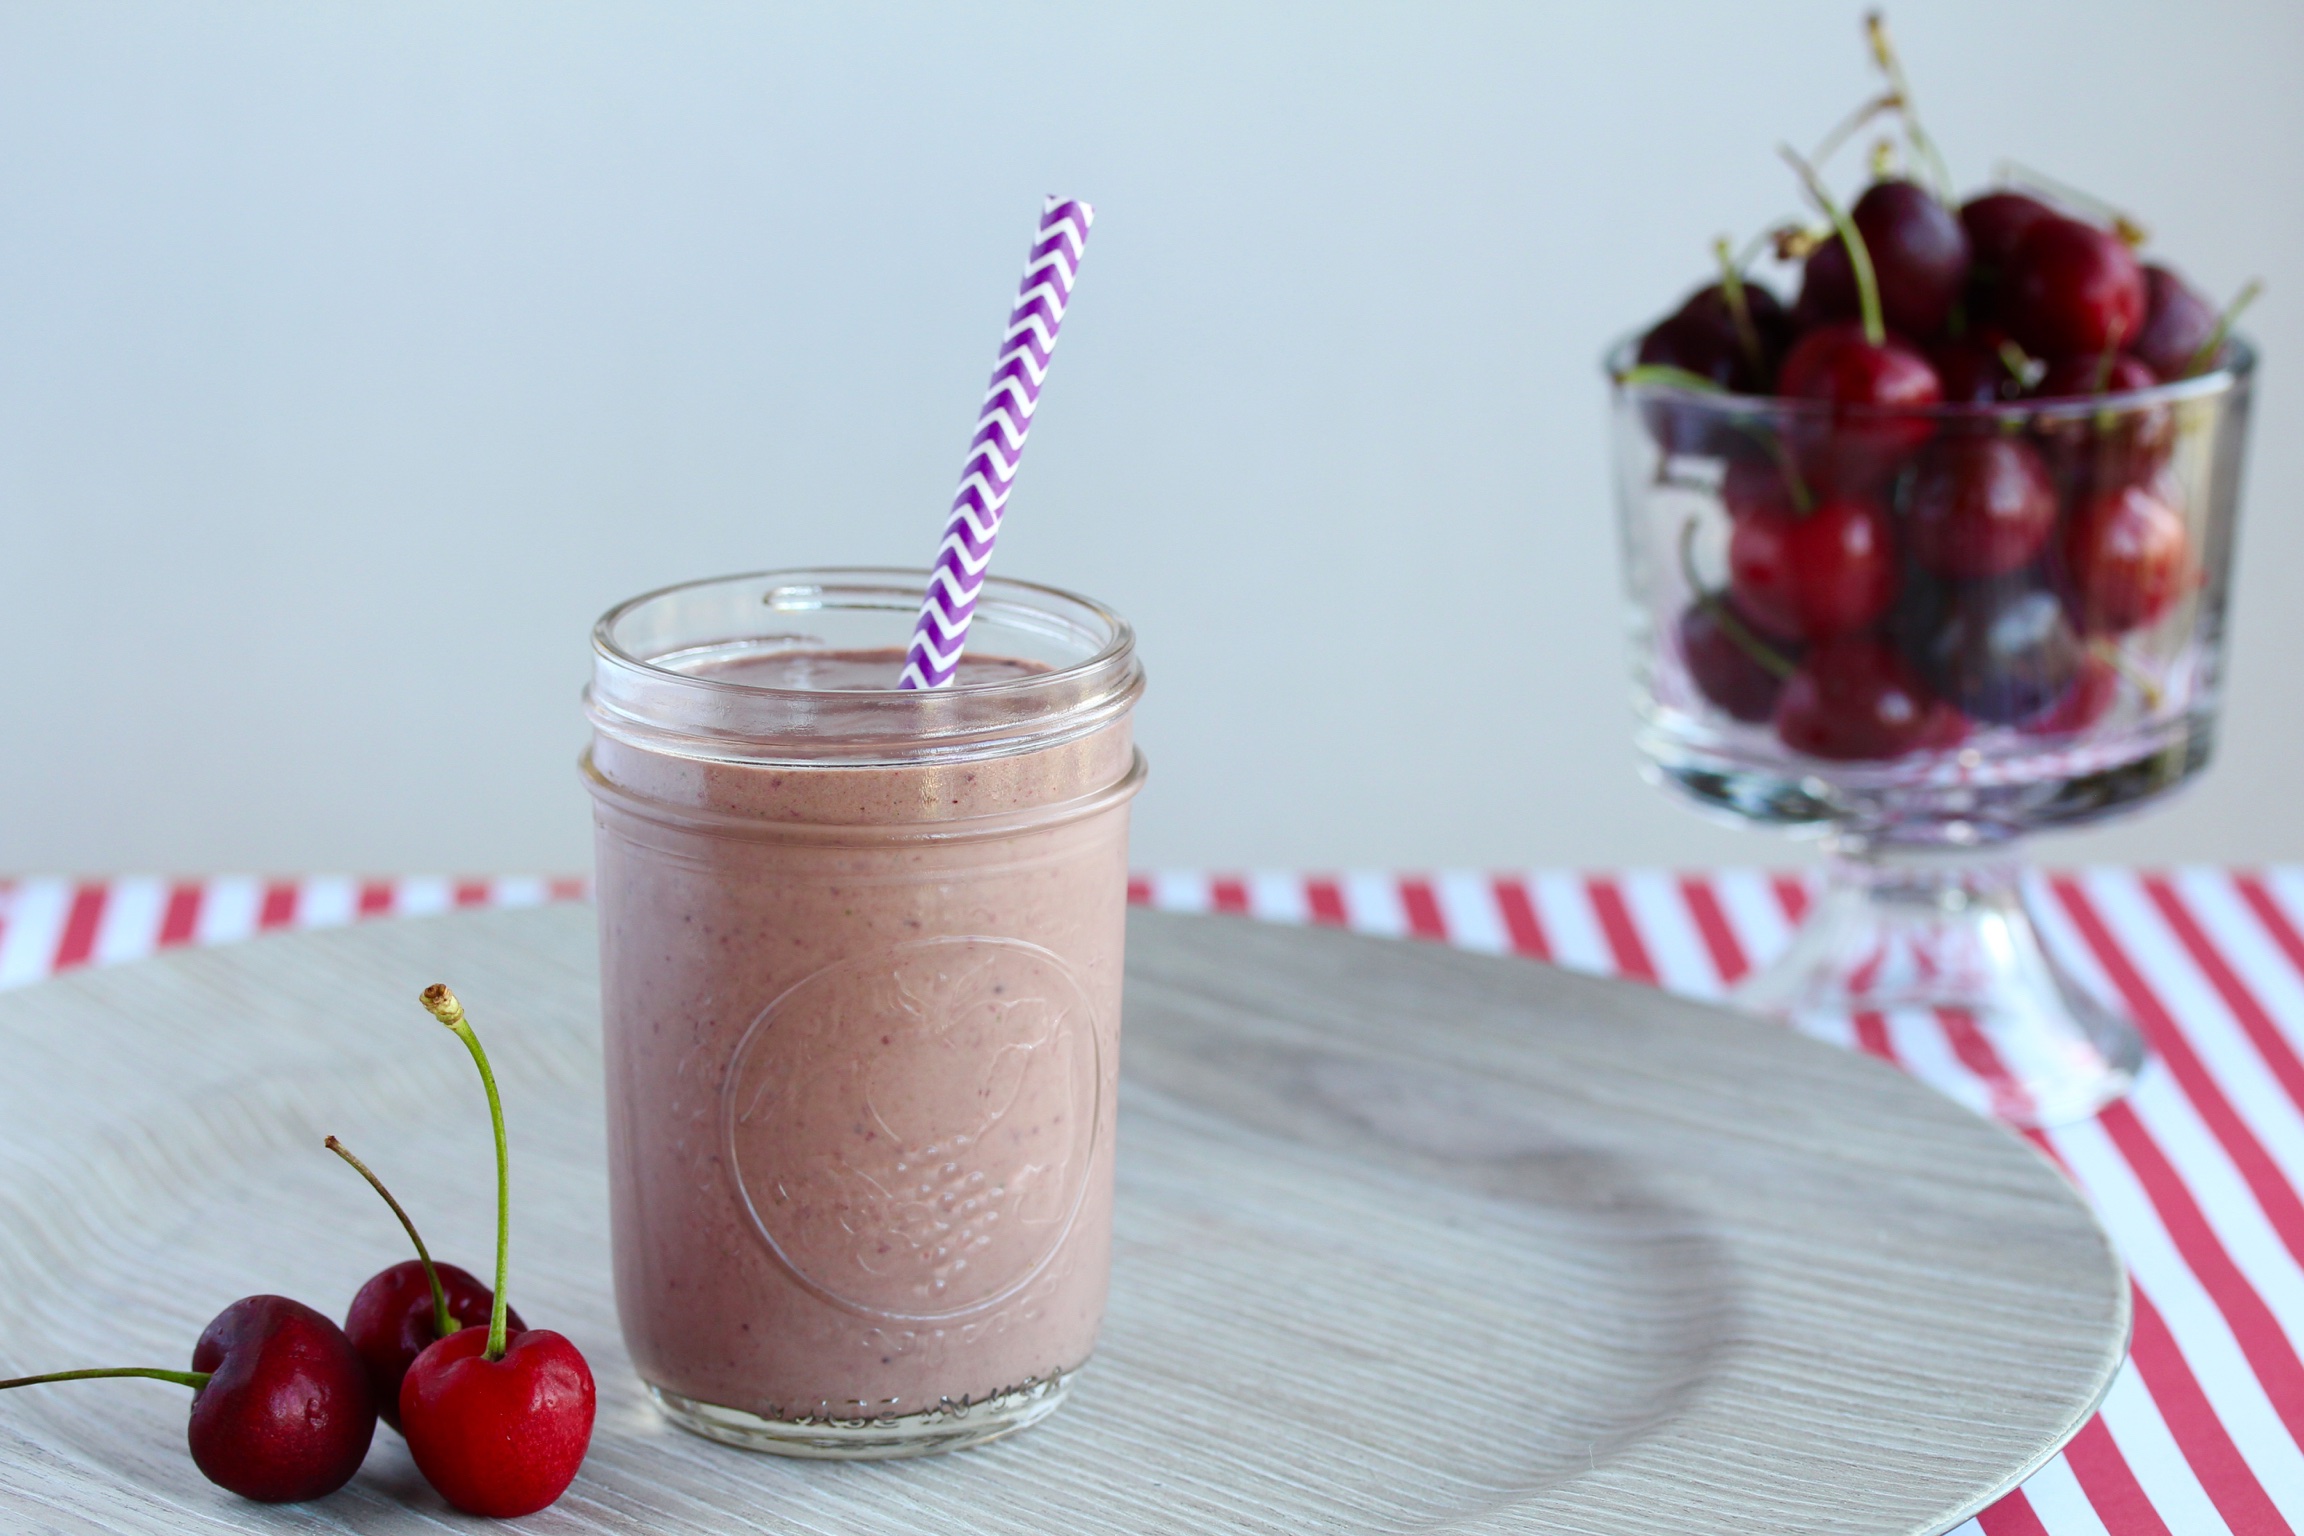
287, 1413
400, 1310
281, 1406
504, 1436
498, 1422
391, 1322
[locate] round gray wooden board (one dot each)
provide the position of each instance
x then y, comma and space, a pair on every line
1409, 1240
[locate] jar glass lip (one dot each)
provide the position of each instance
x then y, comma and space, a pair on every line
802, 589
2235, 374
655, 656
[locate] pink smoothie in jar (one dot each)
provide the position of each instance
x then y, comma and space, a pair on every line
860, 977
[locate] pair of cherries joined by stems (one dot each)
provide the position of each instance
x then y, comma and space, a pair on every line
497, 1415
1899, 570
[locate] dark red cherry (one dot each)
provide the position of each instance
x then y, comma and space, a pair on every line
2125, 559
1919, 255
1771, 328
2071, 287
2073, 377
2090, 698
1995, 221
1946, 728
1827, 288
1724, 667
2124, 443
1855, 700
1760, 302
2001, 651
1757, 484
281, 1408
1980, 506
1973, 369
1864, 438
1837, 364
1813, 576
2177, 323
1694, 344
288, 1413
391, 1322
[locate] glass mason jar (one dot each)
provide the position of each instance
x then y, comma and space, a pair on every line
860, 956
1924, 634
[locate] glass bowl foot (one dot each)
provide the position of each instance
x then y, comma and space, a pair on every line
1934, 945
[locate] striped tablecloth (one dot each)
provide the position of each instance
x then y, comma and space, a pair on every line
2197, 1174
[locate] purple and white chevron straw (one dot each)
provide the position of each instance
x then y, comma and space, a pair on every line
1001, 427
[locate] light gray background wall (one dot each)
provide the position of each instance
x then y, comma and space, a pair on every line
352, 358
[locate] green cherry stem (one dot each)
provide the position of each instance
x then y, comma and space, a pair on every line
2019, 363
2109, 652
1859, 255
449, 1011
2131, 233
1753, 247
2213, 347
1664, 375
193, 1379
1803, 500
1739, 308
2106, 358
442, 1324
1852, 124
1924, 148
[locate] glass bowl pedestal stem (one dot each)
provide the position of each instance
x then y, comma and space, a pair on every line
1924, 634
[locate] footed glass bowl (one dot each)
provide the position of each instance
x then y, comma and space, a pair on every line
1922, 635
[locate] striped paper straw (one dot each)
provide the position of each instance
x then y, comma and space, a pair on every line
1001, 426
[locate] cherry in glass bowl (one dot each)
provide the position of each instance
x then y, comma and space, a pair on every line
1922, 634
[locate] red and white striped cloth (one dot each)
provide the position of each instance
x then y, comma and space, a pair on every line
2198, 1173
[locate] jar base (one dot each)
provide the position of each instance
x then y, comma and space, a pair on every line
946, 1428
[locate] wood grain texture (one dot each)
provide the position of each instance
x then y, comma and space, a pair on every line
1409, 1240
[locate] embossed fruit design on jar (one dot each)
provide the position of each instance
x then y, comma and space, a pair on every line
860, 967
